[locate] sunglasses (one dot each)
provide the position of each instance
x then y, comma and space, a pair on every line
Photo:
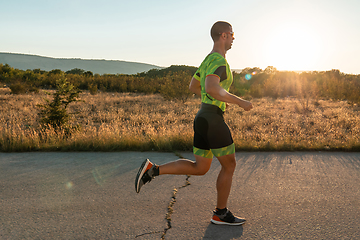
231, 33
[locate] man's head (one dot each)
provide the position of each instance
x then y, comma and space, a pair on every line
222, 34
218, 28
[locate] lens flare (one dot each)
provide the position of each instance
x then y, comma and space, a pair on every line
248, 76
69, 185
102, 173
97, 176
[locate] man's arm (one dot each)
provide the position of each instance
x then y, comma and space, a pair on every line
195, 86
213, 88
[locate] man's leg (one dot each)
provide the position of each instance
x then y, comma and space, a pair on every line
148, 170
187, 167
224, 180
223, 185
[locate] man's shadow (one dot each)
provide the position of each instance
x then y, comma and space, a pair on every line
223, 232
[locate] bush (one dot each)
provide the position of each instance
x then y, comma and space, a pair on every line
33, 90
176, 86
18, 88
54, 113
93, 89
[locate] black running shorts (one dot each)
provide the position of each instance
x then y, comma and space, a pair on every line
212, 136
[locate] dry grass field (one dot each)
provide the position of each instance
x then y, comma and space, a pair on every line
125, 121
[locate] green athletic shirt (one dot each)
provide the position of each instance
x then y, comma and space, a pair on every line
214, 64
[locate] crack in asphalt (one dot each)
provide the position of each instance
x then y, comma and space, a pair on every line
170, 210
170, 206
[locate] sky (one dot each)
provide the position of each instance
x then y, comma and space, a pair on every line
306, 35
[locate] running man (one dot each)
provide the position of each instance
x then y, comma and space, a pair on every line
212, 136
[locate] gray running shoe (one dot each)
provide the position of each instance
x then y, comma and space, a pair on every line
144, 175
227, 219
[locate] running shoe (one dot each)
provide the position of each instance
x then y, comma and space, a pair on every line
227, 219
144, 175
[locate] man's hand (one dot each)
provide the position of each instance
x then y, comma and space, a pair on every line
246, 105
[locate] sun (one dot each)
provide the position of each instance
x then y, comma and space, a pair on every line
292, 47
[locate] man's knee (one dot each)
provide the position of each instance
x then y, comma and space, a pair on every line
228, 162
202, 165
202, 170
231, 165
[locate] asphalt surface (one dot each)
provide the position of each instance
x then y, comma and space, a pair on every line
287, 195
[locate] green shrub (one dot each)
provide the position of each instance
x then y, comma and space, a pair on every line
93, 89
18, 88
34, 90
54, 113
176, 86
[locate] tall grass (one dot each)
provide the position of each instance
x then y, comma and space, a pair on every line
125, 121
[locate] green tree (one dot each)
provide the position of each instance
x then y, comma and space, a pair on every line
18, 88
176, 86
55, 72
88, 74
76, 71
93, 89
270, 70
54, 113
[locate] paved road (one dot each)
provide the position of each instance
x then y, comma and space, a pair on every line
288, 195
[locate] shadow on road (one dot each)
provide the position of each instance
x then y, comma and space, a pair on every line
223, 232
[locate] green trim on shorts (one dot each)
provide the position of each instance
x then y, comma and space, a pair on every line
203, 153
218, 152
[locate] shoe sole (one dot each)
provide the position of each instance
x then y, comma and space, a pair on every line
226, 223
142, 170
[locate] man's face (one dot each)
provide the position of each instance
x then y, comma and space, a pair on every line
229, 39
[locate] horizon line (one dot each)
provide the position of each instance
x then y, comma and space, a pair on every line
237, 70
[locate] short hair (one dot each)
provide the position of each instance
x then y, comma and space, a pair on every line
218, 28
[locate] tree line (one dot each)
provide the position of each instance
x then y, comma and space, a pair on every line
172, 82
331, 84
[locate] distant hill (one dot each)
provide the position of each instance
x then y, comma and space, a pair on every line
25, 61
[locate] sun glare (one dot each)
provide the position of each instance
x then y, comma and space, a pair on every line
292, 47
